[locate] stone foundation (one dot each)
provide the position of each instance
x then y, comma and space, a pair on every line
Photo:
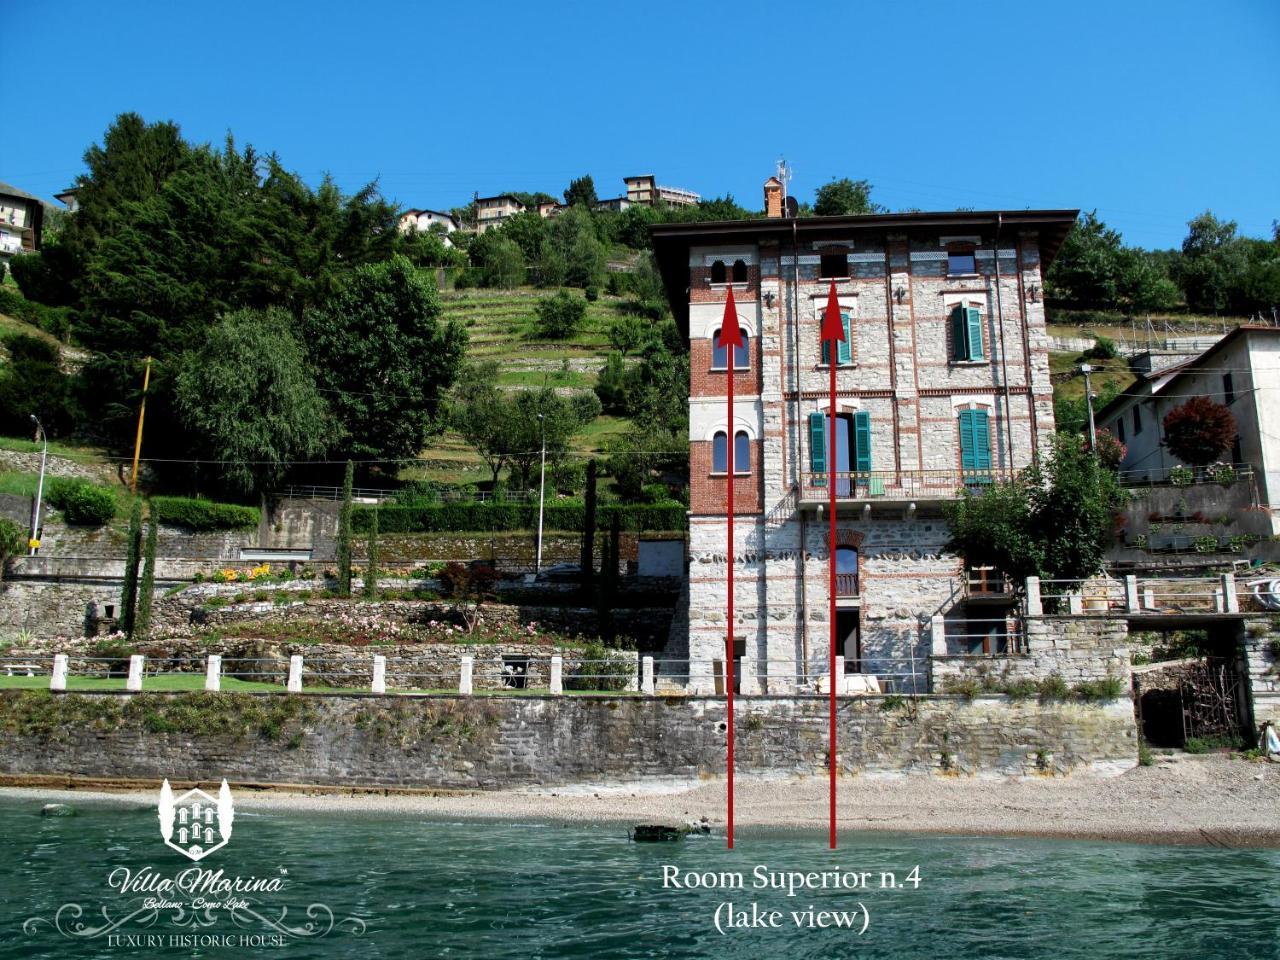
493, 742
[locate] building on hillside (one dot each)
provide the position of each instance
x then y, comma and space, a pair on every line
69, 198
1242, 370
943, 384
549, 208
422, 220
613, 204
21, 220
493, 211
645, 190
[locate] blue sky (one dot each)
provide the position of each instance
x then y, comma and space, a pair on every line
1150, 112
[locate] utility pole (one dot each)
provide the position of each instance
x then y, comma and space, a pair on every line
542, 493
33, 544
142, 413
1088, 400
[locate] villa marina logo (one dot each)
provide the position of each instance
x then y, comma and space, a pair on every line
195, 824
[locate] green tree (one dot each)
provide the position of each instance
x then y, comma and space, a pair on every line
527, 230
251, 397
629, 333
147, 589
497, 260
13, 541
1214, 263
478, 411
384, 360
32, 383
611, 385
371, 566
1055, 521
1086, 272
344, 532
581, 191
572, 238
845, 198
560, 316
535, 414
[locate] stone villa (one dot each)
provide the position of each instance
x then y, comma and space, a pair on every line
943, 383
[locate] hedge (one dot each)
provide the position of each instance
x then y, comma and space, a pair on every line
199, 514
82, 503
52, 320
489, 517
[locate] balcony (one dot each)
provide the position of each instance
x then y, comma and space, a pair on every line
987, 586
866, 487
846, 586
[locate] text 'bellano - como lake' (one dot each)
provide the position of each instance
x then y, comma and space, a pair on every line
101, 883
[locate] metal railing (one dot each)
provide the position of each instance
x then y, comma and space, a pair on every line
978, 637
846, 584
1220, 473
899, 484
1133, 596
315, 492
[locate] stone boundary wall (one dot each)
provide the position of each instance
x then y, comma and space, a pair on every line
1076, 648
494, 742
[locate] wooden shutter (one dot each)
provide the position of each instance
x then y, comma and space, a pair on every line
973, 333
818, 449
862, 441
844, 351
959, 351
966, 441
981, 440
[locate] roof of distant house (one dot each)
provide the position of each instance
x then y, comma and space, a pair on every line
10, 190
500, 196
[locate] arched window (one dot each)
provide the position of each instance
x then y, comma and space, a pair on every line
720, 452
741, 453
720, 353
739, 271
718, 272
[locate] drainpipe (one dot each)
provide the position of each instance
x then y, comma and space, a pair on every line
1004, 360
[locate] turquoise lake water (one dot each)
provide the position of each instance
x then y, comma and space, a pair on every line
426, 889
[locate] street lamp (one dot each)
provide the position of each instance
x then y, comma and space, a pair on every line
1088, 400
542, 492
34, 543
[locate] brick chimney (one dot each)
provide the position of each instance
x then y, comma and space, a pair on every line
773, 197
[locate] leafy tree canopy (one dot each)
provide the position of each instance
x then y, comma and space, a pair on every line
1199, 431
845, 198
581, 191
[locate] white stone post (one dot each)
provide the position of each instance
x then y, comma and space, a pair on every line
1075, 603
557, 675
1131, 601
838, 679
58, 681
464, 679
134, 680
646, 676
1217, 600
1230, 599
213, 672
748, 682
295, 674
1035, 607
1149, 598
379, 684
938, 630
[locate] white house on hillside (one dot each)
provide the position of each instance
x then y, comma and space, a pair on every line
421, 221
1242, 370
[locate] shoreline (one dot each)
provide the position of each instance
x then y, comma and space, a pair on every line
1213, 800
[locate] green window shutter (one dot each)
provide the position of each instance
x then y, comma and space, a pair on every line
973, 330
966, 441
844, 351
826, 351
981, 440
862, 441
959, 349
818, 448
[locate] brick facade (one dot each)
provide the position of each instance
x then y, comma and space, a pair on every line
904, 390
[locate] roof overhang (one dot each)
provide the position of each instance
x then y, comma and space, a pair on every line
672, 241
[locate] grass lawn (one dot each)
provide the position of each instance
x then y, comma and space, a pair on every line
1114, 371
180, 682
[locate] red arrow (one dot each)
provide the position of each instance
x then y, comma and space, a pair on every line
730, 341
832, 334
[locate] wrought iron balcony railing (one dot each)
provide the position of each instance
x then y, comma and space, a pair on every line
898, 485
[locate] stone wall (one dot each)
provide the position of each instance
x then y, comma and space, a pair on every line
1260, 644
492, 742
55, 466
1076, 648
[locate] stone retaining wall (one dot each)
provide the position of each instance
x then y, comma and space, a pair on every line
1076, 648
492, 742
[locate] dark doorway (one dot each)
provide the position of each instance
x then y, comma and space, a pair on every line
849, 640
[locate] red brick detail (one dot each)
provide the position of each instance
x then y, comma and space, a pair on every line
705, 382
701, 290
709, 493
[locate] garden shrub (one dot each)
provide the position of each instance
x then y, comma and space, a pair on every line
82, 503
565, 515
601, 669
199, 514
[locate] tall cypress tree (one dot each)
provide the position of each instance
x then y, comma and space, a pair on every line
129, 599
587, 563
371, 568
344, 532
142, 621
